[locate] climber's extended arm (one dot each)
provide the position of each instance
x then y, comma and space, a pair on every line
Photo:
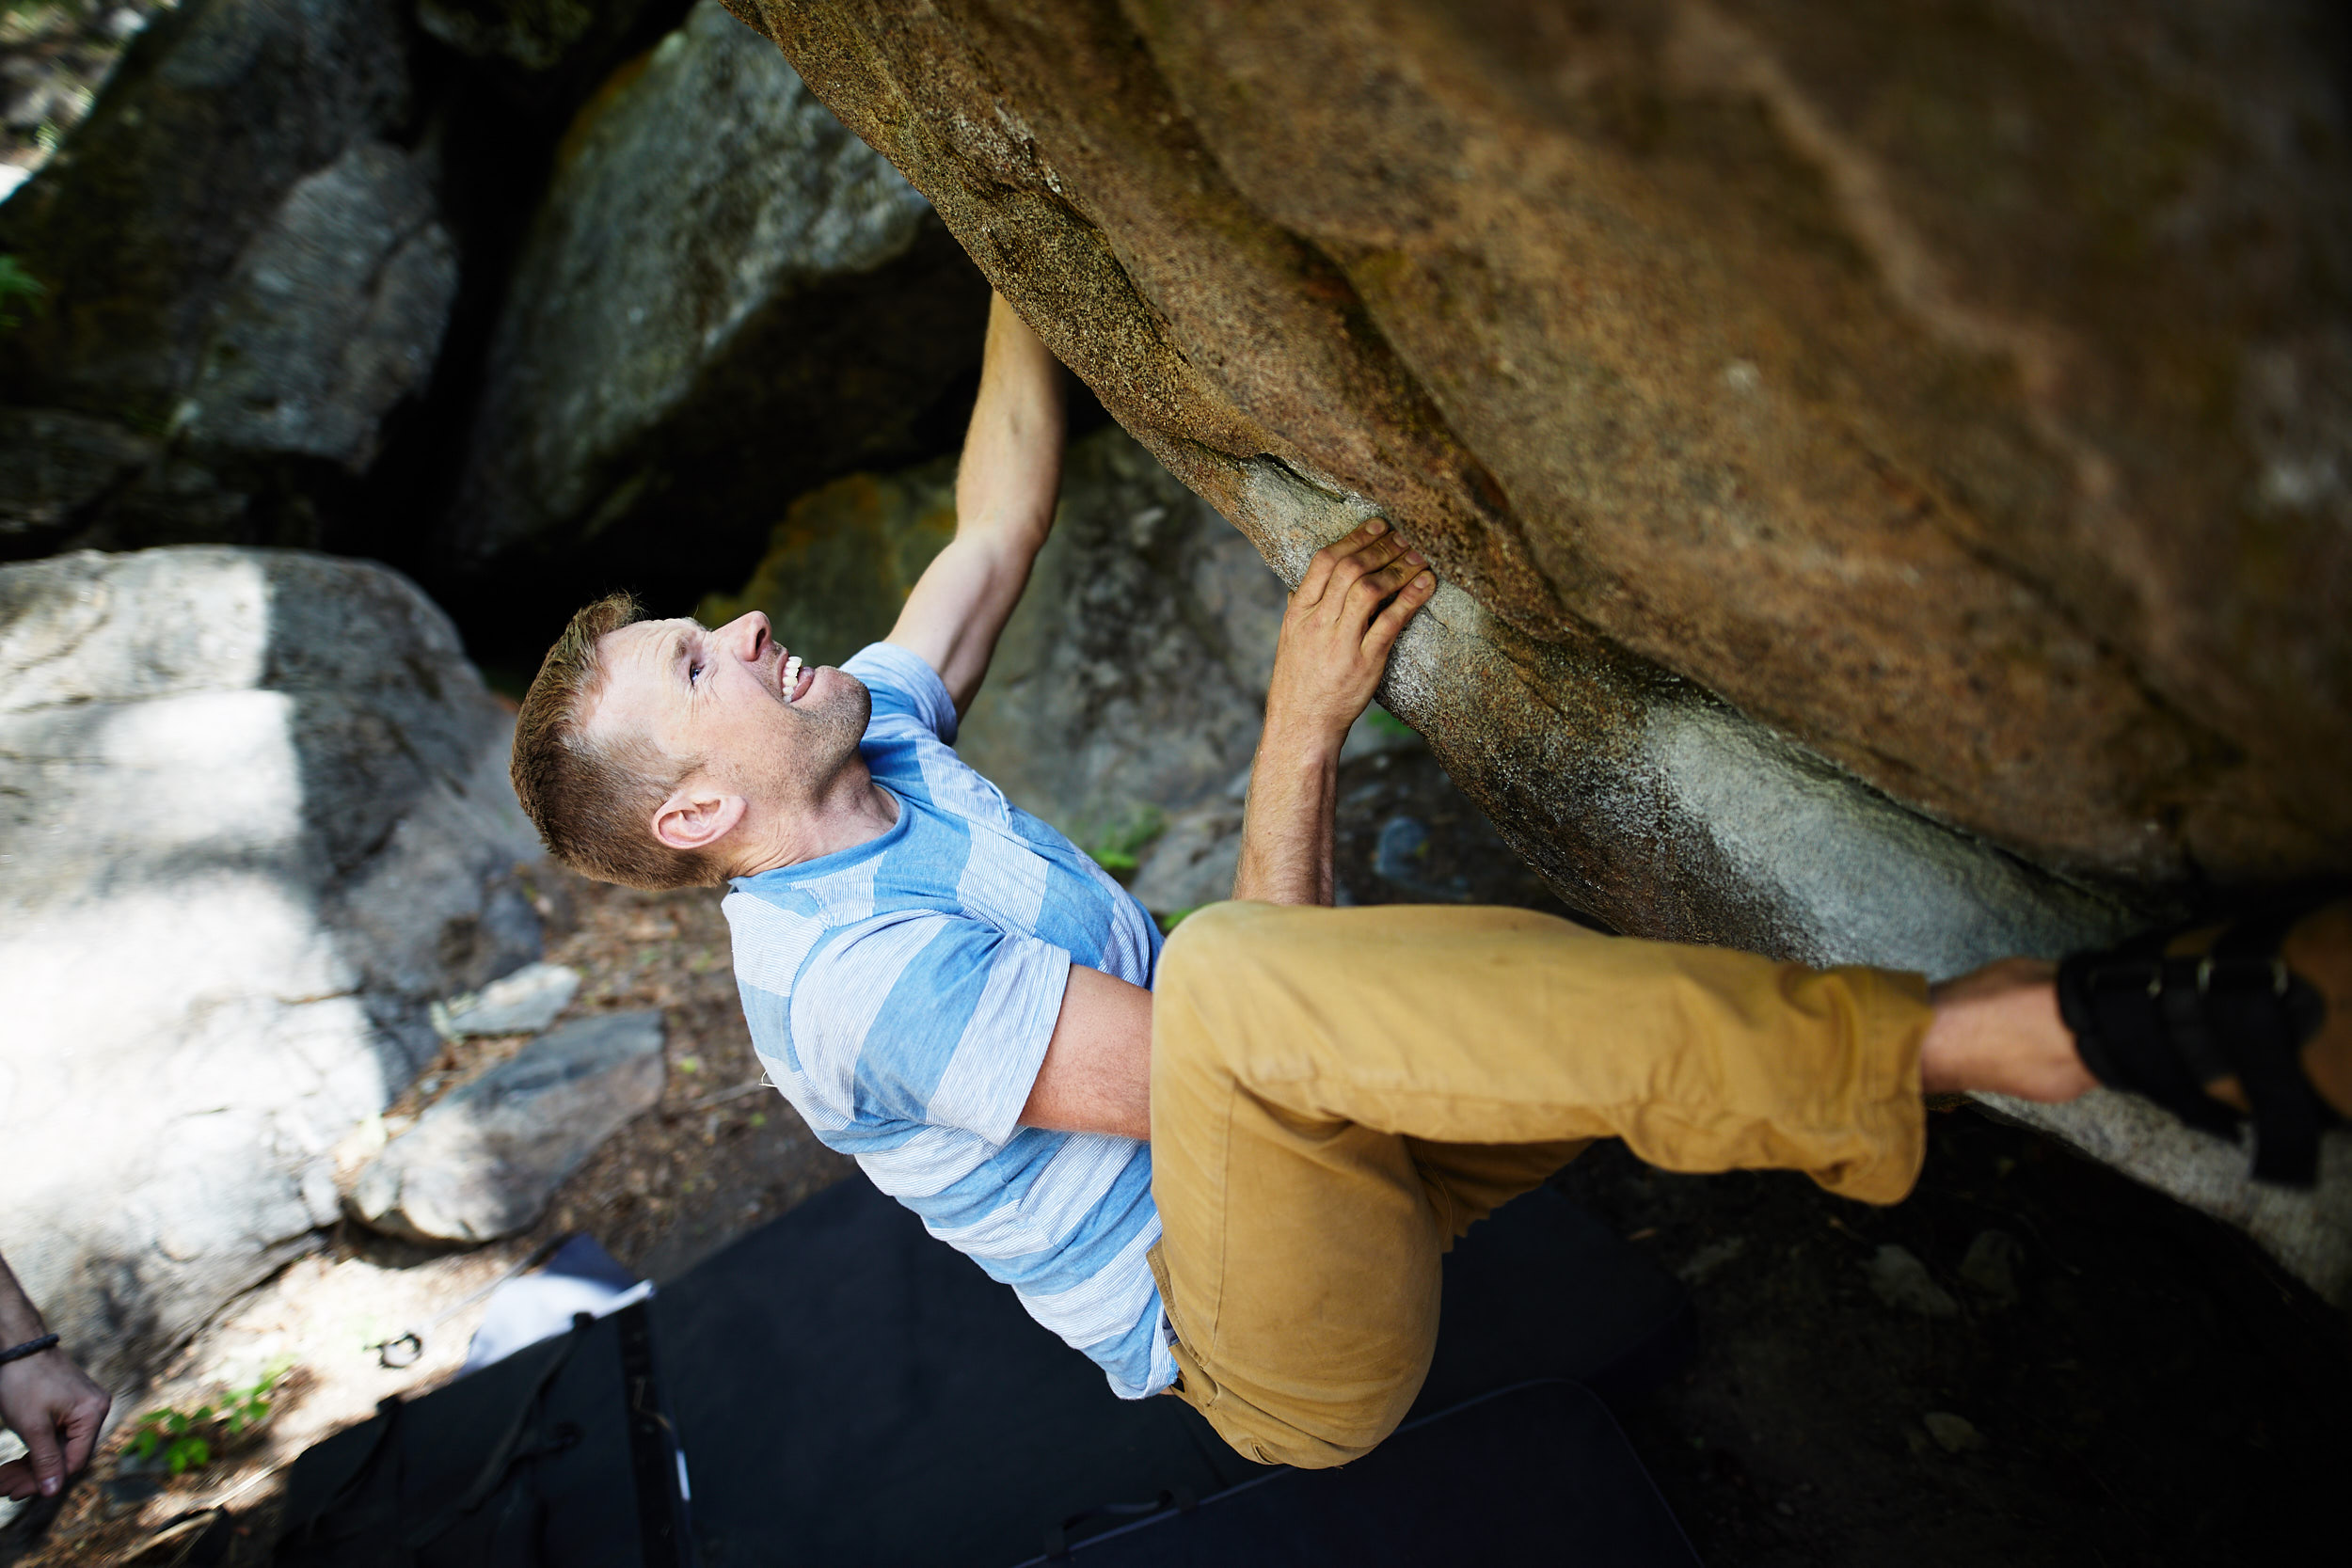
1334, 645
1005, 493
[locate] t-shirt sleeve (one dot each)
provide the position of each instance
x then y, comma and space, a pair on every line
906, 690
938, 1020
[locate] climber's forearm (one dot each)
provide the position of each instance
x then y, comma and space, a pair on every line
1004, 495
1286, 831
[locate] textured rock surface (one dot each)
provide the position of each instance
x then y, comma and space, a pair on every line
1129, 686
725, 299
1833, 433
535, 34
241, 269
522, 1003
482, 1162
333, 314
254, 819
2014, 412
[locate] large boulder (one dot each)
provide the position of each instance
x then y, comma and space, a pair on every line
254, 819
724, 299
1890, 474
246, 270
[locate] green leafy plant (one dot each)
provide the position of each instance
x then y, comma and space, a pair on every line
1121, 846
18, 287
186, 1439
1170, 919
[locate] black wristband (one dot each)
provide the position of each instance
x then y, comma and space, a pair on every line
30, 1347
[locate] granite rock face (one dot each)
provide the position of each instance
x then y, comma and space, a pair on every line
724, 299
1892, 480
483, 1159
254, 819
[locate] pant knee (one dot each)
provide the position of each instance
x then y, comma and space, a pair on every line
1204, 950
1266, 1440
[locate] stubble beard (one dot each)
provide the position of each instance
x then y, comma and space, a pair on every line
829, 733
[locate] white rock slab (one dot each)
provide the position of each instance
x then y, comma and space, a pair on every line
522, 1003
254, 817
484, 1161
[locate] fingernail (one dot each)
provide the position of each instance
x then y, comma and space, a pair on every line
1376, 526
48, 1486
1417, 557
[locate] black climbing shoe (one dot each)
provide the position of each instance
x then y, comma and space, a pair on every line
2180, 1015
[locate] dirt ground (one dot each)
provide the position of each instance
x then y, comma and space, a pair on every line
2141, 1387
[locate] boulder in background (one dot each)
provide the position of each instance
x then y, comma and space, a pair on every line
242, 265
254, 819
724, 299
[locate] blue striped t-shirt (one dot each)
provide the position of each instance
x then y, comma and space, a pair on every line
901, 995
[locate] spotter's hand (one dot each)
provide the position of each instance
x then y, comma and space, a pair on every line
1336, 634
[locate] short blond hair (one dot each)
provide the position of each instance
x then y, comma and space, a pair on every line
593, 802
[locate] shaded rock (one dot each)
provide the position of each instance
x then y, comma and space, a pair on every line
54, 466
1991, 1265
215, 113
243, 273
839, 566
1193, 862
726, 298
522, 1003
1400, 858
1821, 450
537, 35
1129, 687
334, 314
1902, 1282
482, 1162
254, 817
1952, 1433
1708, 1258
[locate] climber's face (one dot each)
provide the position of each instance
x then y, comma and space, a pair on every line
730, 708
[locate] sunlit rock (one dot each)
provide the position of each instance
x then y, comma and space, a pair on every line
254, 819
483, 1159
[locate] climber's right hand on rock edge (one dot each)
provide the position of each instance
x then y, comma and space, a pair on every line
1336, 634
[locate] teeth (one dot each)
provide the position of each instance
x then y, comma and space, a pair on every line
791, 677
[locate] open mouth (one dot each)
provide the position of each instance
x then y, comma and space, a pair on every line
792, 682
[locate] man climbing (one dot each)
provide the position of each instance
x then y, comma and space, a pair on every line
1229, 1171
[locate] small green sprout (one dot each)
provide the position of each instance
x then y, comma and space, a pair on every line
1121, 846
18, 287
185, 1439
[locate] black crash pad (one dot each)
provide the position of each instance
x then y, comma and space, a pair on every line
848, 1390
1535, 1474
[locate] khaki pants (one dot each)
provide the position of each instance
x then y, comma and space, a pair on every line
1337, 1094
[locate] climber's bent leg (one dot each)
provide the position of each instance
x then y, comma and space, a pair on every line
1335, 1092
